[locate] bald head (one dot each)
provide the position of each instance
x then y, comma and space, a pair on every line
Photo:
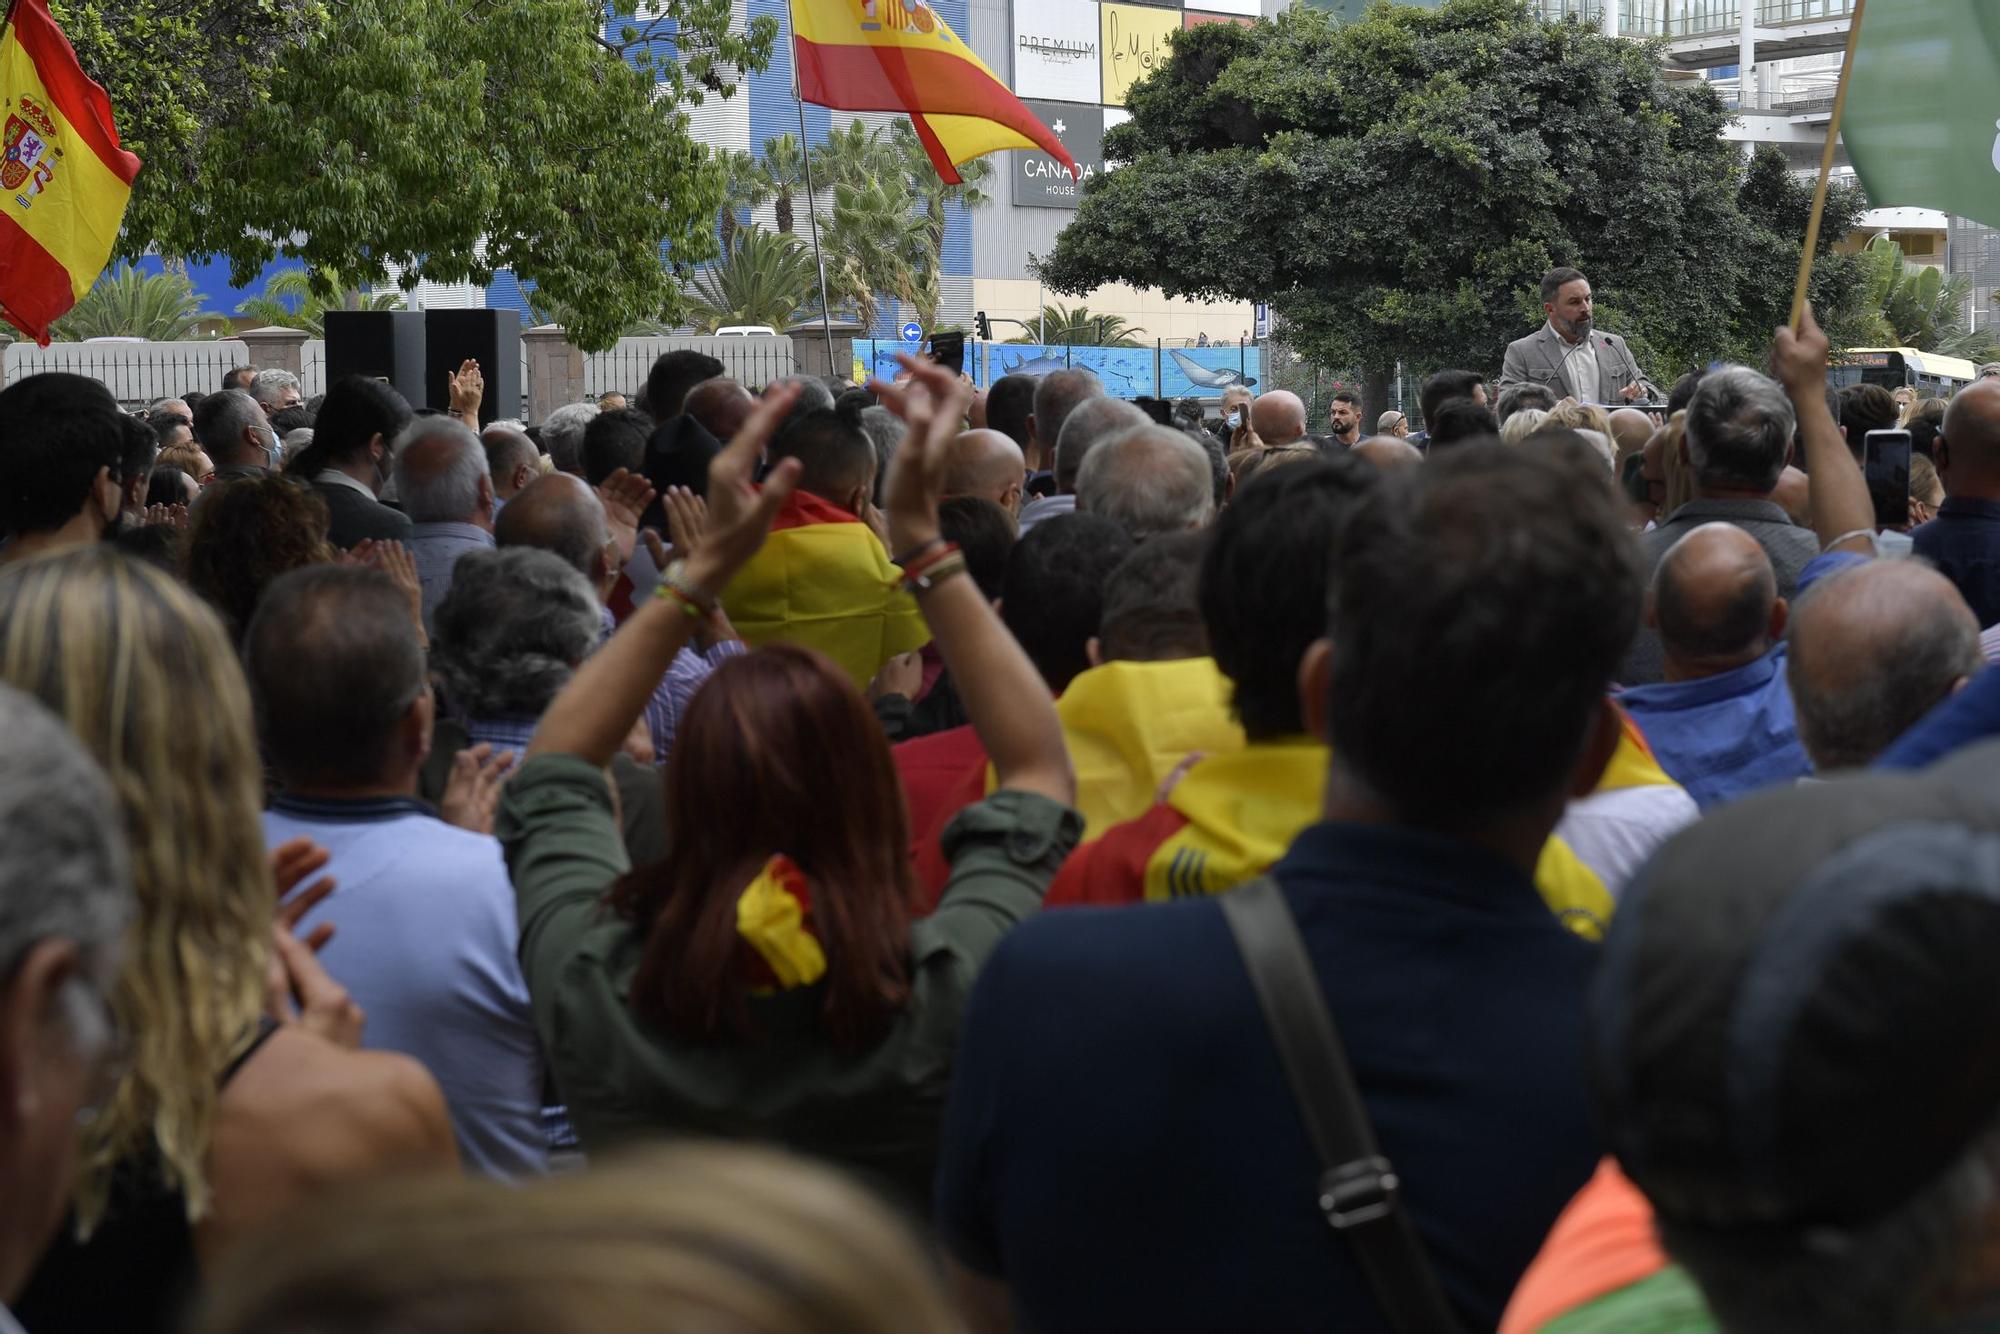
986, 464
1278, 418
720, 405
1149, 481
1057, 395
511, 459
1715, 602
559, 513
1968, 455
1873, 649
1390, 453
1630, 430
1093, 422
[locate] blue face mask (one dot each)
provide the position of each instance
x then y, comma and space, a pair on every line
1235, 419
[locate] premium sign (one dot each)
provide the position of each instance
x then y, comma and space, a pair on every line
1042, 182
1057, 44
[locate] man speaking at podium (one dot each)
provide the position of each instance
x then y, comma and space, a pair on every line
1569, 354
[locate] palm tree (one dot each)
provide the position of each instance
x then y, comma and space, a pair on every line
853, 155
784, 170
767, 278
877, 245
300, 299
1920, 306
160, 307
1062, 327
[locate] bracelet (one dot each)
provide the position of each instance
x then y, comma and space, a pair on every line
917, 550
935, 573
931, 560
669, 593
674, 578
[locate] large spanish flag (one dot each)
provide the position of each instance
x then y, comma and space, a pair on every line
64, 179
900, 55
823, 580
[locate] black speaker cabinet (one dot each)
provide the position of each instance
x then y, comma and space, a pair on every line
380, 344
490, 337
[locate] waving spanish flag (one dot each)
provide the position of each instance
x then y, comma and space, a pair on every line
900, 55
64, 180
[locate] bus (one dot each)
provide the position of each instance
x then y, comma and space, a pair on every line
1930, 375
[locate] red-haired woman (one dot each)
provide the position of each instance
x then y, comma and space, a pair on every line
767, 980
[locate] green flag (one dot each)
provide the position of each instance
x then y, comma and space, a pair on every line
1923, 106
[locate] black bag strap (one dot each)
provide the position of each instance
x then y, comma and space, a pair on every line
1358, 1188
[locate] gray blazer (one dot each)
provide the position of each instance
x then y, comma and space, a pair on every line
1538, 359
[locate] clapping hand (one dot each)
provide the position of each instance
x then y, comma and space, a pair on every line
932, 400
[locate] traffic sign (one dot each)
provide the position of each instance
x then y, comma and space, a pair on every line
1263, 320
913, 332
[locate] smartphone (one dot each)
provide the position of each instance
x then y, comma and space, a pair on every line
1885, 461
1158, 409
948, 351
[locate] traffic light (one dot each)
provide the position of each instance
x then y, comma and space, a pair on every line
981, 326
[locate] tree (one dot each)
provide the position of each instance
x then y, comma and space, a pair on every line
161, 307
744, 186
1061, 326
436, 138
1920, 306
784, 168
1395, 187
767, 278
296, 299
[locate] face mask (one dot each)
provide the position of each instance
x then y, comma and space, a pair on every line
1235, 419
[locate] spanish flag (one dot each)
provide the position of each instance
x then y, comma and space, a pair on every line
64, 179
823, 580
900, 55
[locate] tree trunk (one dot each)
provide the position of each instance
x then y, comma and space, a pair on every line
783, 209
1375, 383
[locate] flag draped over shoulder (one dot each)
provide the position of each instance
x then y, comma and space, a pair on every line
823, 580
64, 179
900, 55
1921, 125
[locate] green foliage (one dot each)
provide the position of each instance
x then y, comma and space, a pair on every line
767, 278
1396, 187
161, 307
1919, 306
1065, 326
361, 135
296, 299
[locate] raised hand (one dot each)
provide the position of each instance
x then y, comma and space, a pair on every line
393, 559
739, 513
472, 793
625, 495
291, 863
468, 390
932, 400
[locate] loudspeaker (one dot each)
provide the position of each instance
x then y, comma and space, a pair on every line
490, 337
380, 344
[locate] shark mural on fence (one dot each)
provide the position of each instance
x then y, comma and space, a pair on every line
1041, 365
1204, 377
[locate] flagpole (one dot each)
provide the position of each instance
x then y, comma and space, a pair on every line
812, 209
1825, 161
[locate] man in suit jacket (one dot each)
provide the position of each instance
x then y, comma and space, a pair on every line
1569, 354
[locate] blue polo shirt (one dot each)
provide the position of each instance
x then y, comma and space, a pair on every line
425, 940
1963, 541
1723, 736
1122, 1148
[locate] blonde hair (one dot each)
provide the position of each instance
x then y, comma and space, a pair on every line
724, 1239
1676, 473
1925, 484
188, 457
1572, 415
117, 649
1522, 425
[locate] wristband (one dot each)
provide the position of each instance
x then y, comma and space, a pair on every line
918, 565
668, 593
675, 582
917, 550
922, 581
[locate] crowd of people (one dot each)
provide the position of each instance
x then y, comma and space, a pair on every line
805, 858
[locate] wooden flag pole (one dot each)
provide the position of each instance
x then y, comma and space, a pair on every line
1825, 162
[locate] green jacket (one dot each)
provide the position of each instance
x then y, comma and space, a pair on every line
876, 1111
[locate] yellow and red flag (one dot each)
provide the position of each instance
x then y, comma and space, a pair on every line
900, 55
64, 179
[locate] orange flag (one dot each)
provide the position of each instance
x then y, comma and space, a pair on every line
900, 55
64, 180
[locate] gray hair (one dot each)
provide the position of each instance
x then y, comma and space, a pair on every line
511, 631
296, 439
270, 385
447, 493
1858, 686
1149, 481
562, 435
221, 421
63, 868
814, 396
1894, 1272
1060, 393
885, 430
1091, 422
1739, 429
